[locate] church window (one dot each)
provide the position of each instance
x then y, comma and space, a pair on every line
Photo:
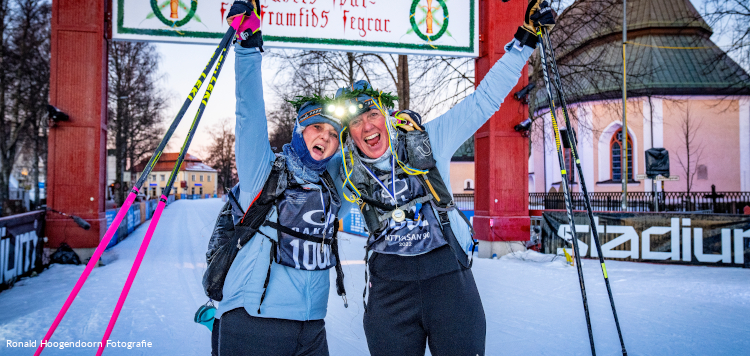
616, 154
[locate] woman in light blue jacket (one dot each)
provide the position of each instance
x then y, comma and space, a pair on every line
276, 290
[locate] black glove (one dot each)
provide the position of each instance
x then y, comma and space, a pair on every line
252, 40
247, 38
240, 7
538, 13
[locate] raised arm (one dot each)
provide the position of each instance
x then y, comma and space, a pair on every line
252, 150
450, 130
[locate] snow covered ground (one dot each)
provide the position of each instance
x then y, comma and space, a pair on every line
533, 305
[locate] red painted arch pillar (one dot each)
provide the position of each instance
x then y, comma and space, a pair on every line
501, 154
76, 161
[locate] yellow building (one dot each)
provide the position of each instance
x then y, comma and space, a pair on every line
195, 177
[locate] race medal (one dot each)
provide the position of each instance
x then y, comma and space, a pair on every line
398, 215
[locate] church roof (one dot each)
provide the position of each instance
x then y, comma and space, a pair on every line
588, 43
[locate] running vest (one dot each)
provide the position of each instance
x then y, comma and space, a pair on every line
424, 199
308, 210
307, 226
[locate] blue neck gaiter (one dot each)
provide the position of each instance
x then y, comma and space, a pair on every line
299, 161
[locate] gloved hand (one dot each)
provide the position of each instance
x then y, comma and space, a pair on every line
411, 117
240, 7
248, 39
538, 13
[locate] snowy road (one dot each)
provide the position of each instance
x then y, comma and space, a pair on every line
532, 308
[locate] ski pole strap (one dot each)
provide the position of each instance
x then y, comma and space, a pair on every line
364, 293
268, 274
450, 238
234, 202
340, 290
297, 234
468, 223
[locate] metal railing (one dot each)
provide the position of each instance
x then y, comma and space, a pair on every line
707, 202
464, 201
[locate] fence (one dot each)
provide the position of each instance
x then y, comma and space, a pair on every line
708, 202
139, 212
464, 202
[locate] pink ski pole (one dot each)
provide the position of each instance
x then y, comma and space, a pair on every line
226, 40
89, 266
163, 201
133, 272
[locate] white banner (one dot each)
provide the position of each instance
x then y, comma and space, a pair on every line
427, 27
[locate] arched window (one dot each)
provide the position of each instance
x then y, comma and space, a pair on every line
616, 154
468, 184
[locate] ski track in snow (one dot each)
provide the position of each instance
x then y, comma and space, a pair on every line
533, 307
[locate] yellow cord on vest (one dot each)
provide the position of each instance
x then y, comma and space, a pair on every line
356, 194
408, 170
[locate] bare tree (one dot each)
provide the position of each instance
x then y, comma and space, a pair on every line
732, 18
689, 126
427, 84
282, 120
135, 107
24, 77
220, 153
32, 39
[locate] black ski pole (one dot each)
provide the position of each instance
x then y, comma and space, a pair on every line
225, 42
163, 201
566, 189
572, 139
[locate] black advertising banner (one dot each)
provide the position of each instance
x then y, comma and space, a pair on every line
709, 239
20, 246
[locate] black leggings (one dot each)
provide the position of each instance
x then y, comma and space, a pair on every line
444, 312
242, 334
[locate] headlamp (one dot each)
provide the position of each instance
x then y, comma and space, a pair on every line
339, 111
331, 108
352, 109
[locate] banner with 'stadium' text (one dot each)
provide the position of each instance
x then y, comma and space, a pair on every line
425, 27
688, 238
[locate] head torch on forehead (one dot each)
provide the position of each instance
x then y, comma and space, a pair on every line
348, 110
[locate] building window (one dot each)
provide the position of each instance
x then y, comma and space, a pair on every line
569, 165
192, 191
153, 177
616, 155
193, 178
201, 191
468, 184
702, 172
163, 177
201, 177
209, 177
